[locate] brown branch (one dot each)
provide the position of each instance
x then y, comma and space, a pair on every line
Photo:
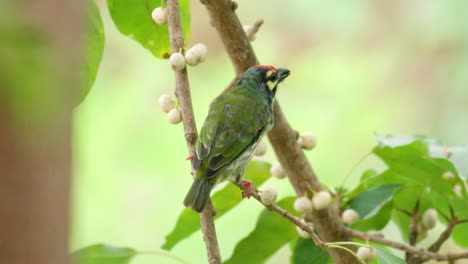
254, 29
282, 137
438, 243
190, 130
413, 232
421, 252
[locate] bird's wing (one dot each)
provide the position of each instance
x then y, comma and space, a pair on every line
227, 133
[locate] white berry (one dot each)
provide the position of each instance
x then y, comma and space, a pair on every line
277, 171
166, 103
321, 200
196, 54
303, 205
159, 15
261, 148
302, 233
174, 116
448, 175
247, 28
429, 219
307, 140
177, 61
350, 217
366, 254
269, 195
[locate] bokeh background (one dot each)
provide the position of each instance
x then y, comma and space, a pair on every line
358, 67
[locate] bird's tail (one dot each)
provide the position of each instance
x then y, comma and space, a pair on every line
198, 194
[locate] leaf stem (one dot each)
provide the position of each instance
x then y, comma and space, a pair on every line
348, 250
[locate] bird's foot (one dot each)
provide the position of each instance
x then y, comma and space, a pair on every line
247, 188
189, 157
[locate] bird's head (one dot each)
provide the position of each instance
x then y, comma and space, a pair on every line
268, 76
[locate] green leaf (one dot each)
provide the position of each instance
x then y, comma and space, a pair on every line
94, 45
386, 257
306, 252
458, 154
368, 203
270, 234
413, 165
133, 19
103, 254
224, 200
378, 221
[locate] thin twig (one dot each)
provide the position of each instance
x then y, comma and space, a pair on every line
190, 129
254, 29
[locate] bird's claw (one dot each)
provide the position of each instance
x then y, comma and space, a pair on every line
247, 188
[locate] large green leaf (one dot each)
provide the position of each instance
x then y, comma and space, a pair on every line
223, 200
94, 48
369, 202
458, 155
307, 252
386, 257
414, 166
133, 19
103, 254
270, 234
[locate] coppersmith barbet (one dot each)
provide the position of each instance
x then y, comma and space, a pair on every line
236, 122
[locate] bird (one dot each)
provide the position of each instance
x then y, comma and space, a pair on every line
236, 122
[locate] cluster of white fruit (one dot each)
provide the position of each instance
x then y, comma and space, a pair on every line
168, 105
307, 140
194, 56
429, 221
304, 205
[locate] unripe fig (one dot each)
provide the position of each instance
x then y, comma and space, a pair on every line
269, 195
166, 103
277, 171
159, 15
307, 140
261, 149
321, 200
366, 254
177, 61
174, 116
350, 216
429, 219
303, 205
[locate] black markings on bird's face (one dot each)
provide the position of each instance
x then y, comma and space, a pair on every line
271, 79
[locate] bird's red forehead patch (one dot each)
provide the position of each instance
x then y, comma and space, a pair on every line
265, 67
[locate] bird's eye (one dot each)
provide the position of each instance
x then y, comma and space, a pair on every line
273, 77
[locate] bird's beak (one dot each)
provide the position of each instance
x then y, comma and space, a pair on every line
283, 73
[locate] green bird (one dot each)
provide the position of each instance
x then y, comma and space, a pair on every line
236, 122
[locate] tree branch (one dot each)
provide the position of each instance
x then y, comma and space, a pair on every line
282, 137
190, 130
421, 252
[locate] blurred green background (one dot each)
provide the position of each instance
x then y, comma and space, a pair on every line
358, 67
